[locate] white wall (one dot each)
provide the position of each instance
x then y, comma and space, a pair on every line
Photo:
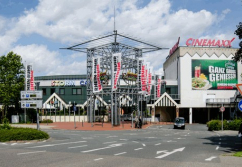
170, 67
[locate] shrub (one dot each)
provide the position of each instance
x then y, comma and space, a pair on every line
5, 125
22, 134
217, 125
46, 121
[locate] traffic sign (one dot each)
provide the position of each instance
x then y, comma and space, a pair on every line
31, 94
31, 103
222, 109
240, 105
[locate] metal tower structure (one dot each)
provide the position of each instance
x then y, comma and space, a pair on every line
131, 50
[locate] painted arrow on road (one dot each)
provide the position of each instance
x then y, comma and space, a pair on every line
169, 153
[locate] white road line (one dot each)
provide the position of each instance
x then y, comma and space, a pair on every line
217, 147
78, 146
135, 141
138, 149
27, 143
98, 159
44, 141
143, 144
4, 143
110, 142
150, 137
123, 139
171, 141
110, 146
111, 136
31, 152
157, 144
51, 145
121, 153
209, 159
13, 144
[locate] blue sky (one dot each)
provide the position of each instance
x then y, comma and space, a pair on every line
37, 29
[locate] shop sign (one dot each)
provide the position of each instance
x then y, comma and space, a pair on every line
173, 49
97, 87
149, 83
209, 42
140, 64
116, 66
83, 82
143, 78
63, 83
214, 74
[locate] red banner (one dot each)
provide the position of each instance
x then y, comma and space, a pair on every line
31, 80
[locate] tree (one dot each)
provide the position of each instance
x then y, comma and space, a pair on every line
11, 80
238, 32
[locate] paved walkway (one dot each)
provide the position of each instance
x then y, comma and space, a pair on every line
85, 126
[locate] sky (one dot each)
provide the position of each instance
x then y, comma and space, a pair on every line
36, 29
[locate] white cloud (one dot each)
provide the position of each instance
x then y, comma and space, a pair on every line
71, 22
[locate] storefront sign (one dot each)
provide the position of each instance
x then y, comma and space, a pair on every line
174, 47
83, 82
149, 83
140, 64
97, 87
31, 80
209, 42
116, 66
214, 74
143, 78
63, 83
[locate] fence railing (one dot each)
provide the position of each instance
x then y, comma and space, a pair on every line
218, 100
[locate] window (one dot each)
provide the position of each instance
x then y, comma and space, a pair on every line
76, 91
62, 91
52, 90
44, 91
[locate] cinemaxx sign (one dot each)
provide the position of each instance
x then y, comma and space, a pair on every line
209, 42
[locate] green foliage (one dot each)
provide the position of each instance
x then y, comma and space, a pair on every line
238, 32
46, 121
22, 134
238, 154
5, 125
11, 79
217, 124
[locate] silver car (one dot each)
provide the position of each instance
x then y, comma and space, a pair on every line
179, 123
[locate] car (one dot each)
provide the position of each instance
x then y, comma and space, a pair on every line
179, 123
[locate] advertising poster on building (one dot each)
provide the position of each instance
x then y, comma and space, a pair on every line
214, 74
140, 64
158, 86
116, 69
97, 87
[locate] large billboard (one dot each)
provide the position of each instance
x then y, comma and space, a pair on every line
214, 74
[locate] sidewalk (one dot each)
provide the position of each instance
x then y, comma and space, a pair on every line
87, 126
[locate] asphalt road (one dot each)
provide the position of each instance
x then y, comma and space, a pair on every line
155, 146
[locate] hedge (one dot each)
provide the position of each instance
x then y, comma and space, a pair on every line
15, 134
46, 121
227, 125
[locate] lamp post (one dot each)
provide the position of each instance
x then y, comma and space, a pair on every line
69, 111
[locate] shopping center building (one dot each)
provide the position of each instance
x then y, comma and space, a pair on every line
204, 76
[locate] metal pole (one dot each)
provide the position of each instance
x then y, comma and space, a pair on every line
69, 113
74, 120
55, 114
37, 119
64, 113
222, 119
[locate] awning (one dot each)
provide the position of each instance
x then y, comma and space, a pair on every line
164, 101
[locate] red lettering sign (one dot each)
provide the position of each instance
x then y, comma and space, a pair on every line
31, 80
209, 42
173, 49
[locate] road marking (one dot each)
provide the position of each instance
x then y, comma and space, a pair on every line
44, 141
180, 138
110, 146
31, 152
110, 142
150, 137
121, 153
143, 144
51, 145
98, 159
4, 143
171, 141
13, 144
123, 139
135, 141
111, 136
209, 159
27, 143
169, 153
157, 144
78, 146
217, 147
138, 149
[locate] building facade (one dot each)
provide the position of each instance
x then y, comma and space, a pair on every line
205, 79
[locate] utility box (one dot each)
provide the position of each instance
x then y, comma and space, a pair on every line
15, 119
